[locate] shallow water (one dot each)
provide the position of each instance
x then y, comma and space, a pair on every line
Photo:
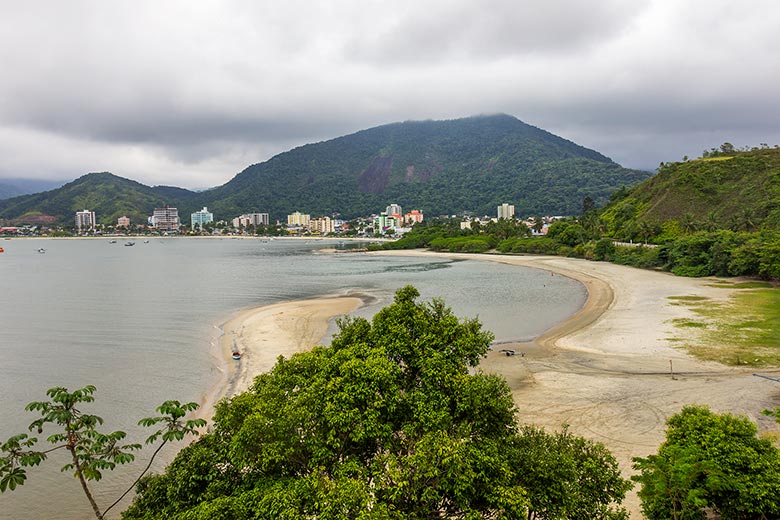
140, 323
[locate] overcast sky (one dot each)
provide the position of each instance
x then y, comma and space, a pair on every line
189, 93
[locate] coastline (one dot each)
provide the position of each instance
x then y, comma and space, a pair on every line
264, 333
612, 372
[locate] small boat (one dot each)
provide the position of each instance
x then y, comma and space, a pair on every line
41, 250
236, 355
146, 241
2, 250
129, 243
112, 241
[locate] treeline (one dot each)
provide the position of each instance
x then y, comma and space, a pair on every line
702, 253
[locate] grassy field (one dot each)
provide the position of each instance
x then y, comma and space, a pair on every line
744, 330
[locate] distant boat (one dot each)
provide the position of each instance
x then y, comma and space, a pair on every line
146, 241
129, 243
41, 250
236, 355
2, 250
112, 241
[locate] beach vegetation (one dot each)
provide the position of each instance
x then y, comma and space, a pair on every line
91, 451
740, 330
710, 466
392, 421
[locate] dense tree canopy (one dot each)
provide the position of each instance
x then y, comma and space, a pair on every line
710, 462
389, 422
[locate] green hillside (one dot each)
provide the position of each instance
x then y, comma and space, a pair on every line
739, 191
441, 167
106, 194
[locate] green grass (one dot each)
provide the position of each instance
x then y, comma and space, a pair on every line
741, 285
744, 330
710, 159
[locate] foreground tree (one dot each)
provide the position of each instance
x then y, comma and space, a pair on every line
91, 452
710, 463
389, 422
567, 476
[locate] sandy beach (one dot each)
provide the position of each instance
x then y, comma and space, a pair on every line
611, 372
264, 333
606, 371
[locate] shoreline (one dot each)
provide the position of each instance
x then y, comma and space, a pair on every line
613, 372
264, 333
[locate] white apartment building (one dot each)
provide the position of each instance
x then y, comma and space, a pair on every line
506, 211
165, 219
85, 221
201, 217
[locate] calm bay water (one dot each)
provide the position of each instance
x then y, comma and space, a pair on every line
140, 323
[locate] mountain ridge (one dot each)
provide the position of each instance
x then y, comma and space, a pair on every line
441, 167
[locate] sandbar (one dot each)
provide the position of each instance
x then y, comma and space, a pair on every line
262, 334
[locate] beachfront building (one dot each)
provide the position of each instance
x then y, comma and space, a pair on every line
85, 221
298, 219
506, 211
251, 219
413, 217
322, 225
123, 221
384, 223
201, 217
165, 219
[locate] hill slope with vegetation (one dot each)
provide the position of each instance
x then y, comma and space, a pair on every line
726, 189
442, 167
718, 215
108, 195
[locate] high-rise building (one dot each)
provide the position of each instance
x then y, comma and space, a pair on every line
85, 221
251, 219
123, 221
165, 219
384, 223
298, 219
394, 210
506, 211
322, 225
201, 217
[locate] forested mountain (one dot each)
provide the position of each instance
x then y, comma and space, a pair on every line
726, 189
108, 195
442, 167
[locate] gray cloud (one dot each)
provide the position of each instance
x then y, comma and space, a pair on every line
190, 93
